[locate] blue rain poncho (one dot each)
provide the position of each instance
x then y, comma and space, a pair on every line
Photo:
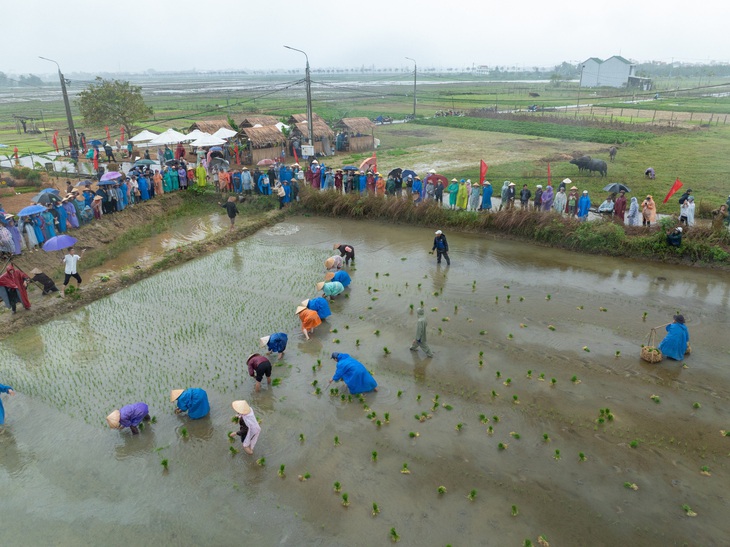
194, 401
342, 277
584, 203
675, 342
353, 373
321, 306
3, 389
277, 342
487, 197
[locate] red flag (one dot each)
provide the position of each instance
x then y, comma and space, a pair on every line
483, 167
550, 178
55, 140
15, 153
676, 186
96, 159
238, 158
121, 129
296, 158
375, 163
108, 136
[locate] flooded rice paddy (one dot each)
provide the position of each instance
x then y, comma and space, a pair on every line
504, 321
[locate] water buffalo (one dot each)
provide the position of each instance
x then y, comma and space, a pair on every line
612, 153
581, 162
598, 165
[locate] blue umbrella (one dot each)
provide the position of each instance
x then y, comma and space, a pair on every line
83, 183
407, 172
50, 190
59, 242
95, 142
31, 210
349, 168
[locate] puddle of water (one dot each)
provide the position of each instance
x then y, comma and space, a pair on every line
194, 325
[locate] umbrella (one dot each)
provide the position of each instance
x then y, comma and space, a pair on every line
368, 162
267, 162
144, 162
83, 183
50, 191
59, 242
45, 199
215, 149
395, 172
405, 174
31, 210
219, 162
349, 168
436, 178
171, 163
107, 182
95, 142
110, 175
616, 187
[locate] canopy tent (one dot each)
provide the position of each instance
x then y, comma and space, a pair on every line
168, 137
225, 133
143, 136
208, 140
196, 134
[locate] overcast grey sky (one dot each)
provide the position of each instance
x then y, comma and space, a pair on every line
136, 35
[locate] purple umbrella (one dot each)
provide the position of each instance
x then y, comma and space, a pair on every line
111, 175
58, 243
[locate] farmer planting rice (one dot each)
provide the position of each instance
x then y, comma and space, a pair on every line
330, 288
675, 343
333, 263
310, 320
420, 340
193, 400
353, 373
258, 367
319, 305
347, 251
129, 416
249, 428
10, 391
341, 277
441, 246
275, 343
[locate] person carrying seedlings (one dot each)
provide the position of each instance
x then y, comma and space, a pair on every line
441, 246
310, 320
333, 263
353, 373
675, 343
258, 367
129, 416
346, 251
39, 277
342, 277
319, 305
231, 210
275, 343
330, 288
420, 340
193, 400
249, 428
10, 391
71, 260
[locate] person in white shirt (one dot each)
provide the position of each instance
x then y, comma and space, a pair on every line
71, 260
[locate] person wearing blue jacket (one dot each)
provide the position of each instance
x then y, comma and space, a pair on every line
275, 343
319, 305
487, 196
340, 276
584, 203
193, 400
354, 374
362, 182
676, 341
10, 391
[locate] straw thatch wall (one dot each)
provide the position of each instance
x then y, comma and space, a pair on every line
210, 126
250, 121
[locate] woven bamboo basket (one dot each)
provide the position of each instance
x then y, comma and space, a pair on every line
650, 352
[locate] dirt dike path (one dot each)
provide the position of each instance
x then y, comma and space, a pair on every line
97, 236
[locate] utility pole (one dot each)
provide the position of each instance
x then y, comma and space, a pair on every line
308, 80
415, 76
580, 82
69, 118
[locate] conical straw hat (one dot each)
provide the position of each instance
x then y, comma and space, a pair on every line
113, 419
174, 394
241, 407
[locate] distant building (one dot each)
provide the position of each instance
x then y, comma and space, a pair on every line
482, 70
613, 72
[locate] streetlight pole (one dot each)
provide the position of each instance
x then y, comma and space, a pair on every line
69, 117
415, 75
308, 80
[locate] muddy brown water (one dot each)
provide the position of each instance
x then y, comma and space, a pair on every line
66, 478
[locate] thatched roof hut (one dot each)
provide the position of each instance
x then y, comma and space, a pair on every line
210, 126
319, 129
263, 137
298, 118
250, 121
356, 126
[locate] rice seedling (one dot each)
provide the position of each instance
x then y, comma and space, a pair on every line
232, 450
386, 351
508, 382
542, 541
586, 349
505, 286
314, 368
688, 510
655, 398
724, 433
502, 446
345, 499
515, 511
399, 393
386, 417
631, 486
643, 316
459, 426
705, 470
183, 432
514, 435
483, 418
515, 400
634, 444
551, 327
472, 495
548, 297
481, 363
546, 437
413, 434
376, 509
319, 363
164, 463
337, 441
490, 430
575, 380
436, 293
418, 397
527, 543
618, 354
261, 462
405, 469
553, 381
305, 477
496, 299
696, 405
281, 472
602, 309
394, 537
495, 419
510, 336
482, 332
153, 420
441, 490
317, 391
498, 374
374, 456
448, 407
357, 343
581, 457
337, 487
494, 394
301, 437
522, 298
